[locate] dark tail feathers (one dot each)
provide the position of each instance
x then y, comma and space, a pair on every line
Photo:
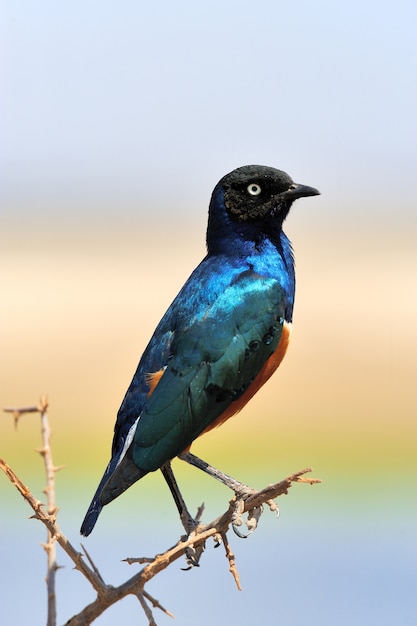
91, 517
116, 479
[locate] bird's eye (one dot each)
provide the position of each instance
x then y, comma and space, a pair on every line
254, 189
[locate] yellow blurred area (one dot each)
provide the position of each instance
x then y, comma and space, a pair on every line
79, 308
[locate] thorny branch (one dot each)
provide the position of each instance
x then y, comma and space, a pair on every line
50, 470
107, 594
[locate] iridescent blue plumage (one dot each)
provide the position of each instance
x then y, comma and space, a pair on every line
220, 339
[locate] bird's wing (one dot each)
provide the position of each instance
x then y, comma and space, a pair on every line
154, 359
208, 366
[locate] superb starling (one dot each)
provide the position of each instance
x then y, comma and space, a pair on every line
223, 336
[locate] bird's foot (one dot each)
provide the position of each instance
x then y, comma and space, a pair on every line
192, 553
241, 491
241, 494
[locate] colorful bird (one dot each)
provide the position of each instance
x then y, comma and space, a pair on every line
223, 336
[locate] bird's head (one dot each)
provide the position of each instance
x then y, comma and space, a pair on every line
257, 192
252, 200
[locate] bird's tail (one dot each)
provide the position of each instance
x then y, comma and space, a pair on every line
96, 505
91, 517
116, 479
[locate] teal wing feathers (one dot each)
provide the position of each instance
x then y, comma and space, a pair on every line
211, 363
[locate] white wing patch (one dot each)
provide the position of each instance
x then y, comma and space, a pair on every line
128, 441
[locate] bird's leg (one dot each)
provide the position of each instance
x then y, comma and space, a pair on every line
241, 491
189, 523
187, 520
235, 485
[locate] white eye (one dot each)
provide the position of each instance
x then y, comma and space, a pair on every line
254, 189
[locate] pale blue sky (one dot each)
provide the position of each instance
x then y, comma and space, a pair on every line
109, 103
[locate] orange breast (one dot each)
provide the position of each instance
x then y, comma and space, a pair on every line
265, 373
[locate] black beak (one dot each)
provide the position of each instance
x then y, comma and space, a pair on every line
299, 191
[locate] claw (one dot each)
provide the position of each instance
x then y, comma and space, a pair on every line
253, 514
237, 516
273, 506
192, 554
251, 523
186, 569
239, 534
238, 510
192, 558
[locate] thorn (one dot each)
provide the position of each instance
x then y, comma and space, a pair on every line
93, 565
156, 604
18, 413
140, 559
200, 512
43, 404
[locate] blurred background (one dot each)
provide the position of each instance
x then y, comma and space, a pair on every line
117, 122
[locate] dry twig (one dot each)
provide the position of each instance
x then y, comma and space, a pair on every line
107, 594
50, 470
